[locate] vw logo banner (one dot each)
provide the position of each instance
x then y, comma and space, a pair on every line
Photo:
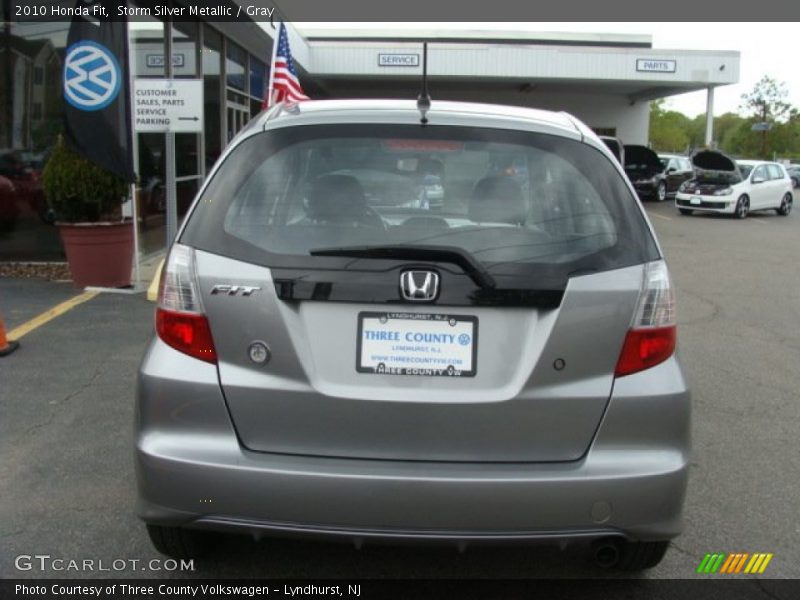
97, 93
92, 76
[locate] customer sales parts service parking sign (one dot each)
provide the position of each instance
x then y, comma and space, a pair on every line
97, 94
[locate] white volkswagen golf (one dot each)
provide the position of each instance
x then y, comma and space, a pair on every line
724, 185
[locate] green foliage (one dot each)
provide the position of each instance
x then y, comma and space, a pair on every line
46, 133
767, 100
696, 129
671, 131
766, 103
668, 129
77, 189
725, 126
742, 140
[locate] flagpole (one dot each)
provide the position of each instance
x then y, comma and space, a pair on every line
270, 89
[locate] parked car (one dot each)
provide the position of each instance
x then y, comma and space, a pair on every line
794, 175
678, 169
724, 185
616, 146
9, 211
328, 365
652, 176
24, 170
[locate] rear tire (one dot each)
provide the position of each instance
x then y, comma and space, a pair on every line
178, 542
742, 207
786, 206
685, 211
637, 556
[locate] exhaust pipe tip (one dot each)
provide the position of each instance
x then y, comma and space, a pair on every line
606, 553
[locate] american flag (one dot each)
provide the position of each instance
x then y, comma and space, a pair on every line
285, 85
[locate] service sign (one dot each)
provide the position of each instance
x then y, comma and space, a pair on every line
417, 344
656, 65
157, 60
168, 105
398, 60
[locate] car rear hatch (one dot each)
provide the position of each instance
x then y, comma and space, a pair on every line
537, 393
332, 349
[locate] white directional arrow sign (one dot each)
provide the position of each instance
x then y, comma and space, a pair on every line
174, 105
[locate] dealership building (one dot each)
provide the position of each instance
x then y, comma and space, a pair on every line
606, 80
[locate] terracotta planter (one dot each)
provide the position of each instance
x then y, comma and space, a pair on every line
99, 254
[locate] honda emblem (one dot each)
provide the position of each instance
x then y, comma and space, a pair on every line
419, 286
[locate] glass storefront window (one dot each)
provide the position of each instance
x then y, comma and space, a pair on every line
147, 47
188, 152
258, 85
235, 67
31, 117
31, 110
185, 192
184, 49
151, 193
212, 92
238, 112
186, 159
257, 75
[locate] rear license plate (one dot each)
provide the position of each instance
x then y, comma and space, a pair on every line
696, 200
399, 343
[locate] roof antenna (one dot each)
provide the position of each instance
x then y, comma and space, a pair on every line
424, 99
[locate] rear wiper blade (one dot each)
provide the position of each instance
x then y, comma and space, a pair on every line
448, 254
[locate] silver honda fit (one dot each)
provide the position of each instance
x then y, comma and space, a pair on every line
380, 324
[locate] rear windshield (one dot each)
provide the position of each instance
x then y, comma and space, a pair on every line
516, 202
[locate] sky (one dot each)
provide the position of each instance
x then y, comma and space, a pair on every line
766, 49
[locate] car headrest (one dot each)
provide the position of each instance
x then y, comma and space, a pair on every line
335, 196
498, 200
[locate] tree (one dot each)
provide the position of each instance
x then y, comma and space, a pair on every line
766, 103
741, 141
667, 128
725, 123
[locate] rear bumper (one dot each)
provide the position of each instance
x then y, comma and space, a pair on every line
191, 471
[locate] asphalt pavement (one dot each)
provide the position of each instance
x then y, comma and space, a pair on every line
66, 404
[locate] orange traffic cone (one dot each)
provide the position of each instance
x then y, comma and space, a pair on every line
6, 346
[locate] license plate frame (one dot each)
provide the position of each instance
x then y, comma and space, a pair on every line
404, 356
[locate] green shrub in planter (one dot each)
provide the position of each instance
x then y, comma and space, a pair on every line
77, 189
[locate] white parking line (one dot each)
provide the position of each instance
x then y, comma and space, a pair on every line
757, 220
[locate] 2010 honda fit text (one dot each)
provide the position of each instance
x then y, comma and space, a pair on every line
338, 355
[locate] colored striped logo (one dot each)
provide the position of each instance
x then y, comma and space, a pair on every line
738, 562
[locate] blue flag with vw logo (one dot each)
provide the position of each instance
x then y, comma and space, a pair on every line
96, 92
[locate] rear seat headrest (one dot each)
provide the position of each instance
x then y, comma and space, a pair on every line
497, 199
336, 195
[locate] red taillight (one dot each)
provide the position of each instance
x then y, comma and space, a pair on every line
645, 348
180, 321
188, 333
